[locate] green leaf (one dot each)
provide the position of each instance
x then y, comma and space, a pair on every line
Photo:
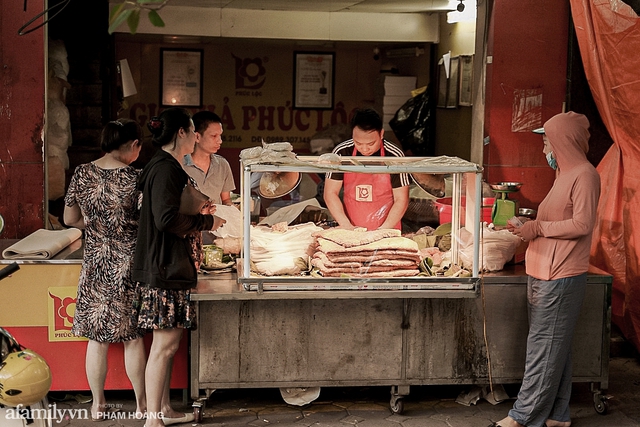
118, 19
133, 21
425, 266
117, 9
155, 19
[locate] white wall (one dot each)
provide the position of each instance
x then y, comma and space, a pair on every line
293, 25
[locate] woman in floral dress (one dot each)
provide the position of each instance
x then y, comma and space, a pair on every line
103, 200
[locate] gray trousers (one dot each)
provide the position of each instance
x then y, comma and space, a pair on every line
554, 307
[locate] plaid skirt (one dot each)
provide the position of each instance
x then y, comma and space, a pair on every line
164, 308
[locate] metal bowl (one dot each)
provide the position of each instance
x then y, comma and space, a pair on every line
432, 183
528, 212
278, 184
506, 186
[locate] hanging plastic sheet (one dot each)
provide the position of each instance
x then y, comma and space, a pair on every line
608, 33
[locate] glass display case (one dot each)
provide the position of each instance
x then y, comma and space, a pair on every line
466, 178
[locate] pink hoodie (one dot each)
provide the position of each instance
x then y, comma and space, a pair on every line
560, 237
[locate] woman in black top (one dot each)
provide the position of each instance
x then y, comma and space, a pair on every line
165, 261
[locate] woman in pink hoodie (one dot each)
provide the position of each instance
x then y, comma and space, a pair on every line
557, 261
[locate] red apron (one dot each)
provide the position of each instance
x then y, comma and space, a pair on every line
368, 198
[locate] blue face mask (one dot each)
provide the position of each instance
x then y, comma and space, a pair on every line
552, 160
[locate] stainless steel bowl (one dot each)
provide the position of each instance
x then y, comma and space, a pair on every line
506, 186
528, 212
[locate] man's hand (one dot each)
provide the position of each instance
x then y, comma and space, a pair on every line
332, 199
399, 207
347, 227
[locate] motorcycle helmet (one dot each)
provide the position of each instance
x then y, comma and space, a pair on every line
8, 344
25, 378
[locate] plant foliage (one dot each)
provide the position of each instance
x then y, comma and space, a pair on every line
129, 11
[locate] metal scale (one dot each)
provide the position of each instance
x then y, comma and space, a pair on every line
503, 207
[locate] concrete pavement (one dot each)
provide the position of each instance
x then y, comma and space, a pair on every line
425, 406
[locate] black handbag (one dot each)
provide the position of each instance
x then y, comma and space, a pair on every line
192, 200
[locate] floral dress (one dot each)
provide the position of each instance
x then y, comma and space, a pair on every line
109, 203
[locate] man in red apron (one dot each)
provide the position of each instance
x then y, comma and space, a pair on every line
373, 201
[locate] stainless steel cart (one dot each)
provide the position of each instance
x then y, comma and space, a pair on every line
247, 339
258, 331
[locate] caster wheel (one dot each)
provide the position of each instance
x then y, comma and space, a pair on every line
397, 405
197, 414
601, 406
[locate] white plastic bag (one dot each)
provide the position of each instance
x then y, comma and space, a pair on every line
496, 248
233, 225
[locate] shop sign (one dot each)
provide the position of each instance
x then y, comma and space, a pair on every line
62, 307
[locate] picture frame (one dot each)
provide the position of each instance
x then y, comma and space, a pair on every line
181, 72
313, 80
466, 81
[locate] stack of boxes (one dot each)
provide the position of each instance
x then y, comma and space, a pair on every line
391, 93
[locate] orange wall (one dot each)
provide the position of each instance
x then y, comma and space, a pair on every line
21, 121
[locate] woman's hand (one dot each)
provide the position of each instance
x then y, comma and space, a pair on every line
516, 231
513, 224
217, 222
208, 209
525, 232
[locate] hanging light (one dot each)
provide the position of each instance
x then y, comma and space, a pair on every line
463, 13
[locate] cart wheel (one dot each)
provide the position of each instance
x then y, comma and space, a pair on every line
601, 404
397, 404
197, 414
198, 409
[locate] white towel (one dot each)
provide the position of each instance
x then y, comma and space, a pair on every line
42, 244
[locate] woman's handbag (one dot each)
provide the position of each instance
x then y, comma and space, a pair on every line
191, 201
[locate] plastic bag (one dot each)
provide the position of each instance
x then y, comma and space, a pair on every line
496, 248
233, 225
276, 253
412, 125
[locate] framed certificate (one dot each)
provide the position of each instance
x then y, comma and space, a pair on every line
313, 76
181, 77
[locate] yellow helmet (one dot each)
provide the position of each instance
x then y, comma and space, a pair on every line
25, 378
8, 344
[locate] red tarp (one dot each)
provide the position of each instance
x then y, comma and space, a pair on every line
608, 33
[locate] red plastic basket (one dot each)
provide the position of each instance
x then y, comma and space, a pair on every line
444, 208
